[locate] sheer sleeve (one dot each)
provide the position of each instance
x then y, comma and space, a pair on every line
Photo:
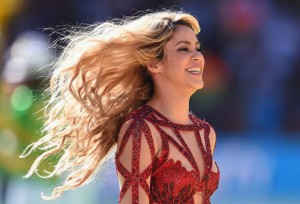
134, 158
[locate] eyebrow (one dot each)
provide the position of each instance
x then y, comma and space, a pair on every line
186, 42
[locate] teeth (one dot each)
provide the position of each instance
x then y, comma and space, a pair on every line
193, 70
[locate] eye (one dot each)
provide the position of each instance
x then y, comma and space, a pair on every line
185, 49
198, 49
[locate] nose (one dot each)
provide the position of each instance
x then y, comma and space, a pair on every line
197, 56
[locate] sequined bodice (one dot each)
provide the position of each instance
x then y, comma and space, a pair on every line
165, 179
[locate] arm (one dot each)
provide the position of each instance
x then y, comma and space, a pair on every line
212, 139
134, 159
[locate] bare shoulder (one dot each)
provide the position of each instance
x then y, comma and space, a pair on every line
123, 130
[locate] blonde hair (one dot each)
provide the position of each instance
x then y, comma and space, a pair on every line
100, 77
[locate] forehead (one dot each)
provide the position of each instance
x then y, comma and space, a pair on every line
183, 33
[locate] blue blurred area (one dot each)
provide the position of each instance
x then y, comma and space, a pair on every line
260, 171
251, 94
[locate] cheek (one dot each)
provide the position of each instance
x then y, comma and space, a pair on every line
176, 63
202, 59
180, 60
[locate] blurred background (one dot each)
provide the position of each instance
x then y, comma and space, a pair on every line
251, 95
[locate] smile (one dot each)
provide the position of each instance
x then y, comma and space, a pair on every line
194, 70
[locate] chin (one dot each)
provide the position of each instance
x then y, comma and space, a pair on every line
201, 87
198, 86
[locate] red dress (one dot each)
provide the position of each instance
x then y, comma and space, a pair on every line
178, 174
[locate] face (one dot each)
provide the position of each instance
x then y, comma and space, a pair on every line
183, 64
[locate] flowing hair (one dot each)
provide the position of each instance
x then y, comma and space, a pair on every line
99, 78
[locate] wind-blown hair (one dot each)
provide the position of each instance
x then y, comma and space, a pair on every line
99, 78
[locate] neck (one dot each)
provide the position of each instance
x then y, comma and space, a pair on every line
173, 104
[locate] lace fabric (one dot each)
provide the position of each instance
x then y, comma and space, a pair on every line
175, 168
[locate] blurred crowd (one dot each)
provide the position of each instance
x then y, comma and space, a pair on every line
252, 72
250, 46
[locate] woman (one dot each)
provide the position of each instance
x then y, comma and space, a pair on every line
127, 84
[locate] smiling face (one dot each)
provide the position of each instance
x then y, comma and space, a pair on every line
183, 64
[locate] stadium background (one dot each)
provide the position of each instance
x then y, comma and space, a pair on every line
251, 94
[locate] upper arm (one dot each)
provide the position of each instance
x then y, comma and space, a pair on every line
212, 138
134, 158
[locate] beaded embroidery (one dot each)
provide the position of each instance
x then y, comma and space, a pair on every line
170, 181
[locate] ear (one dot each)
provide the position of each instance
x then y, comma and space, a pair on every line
153, 67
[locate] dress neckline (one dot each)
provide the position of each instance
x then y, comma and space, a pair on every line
168, 120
